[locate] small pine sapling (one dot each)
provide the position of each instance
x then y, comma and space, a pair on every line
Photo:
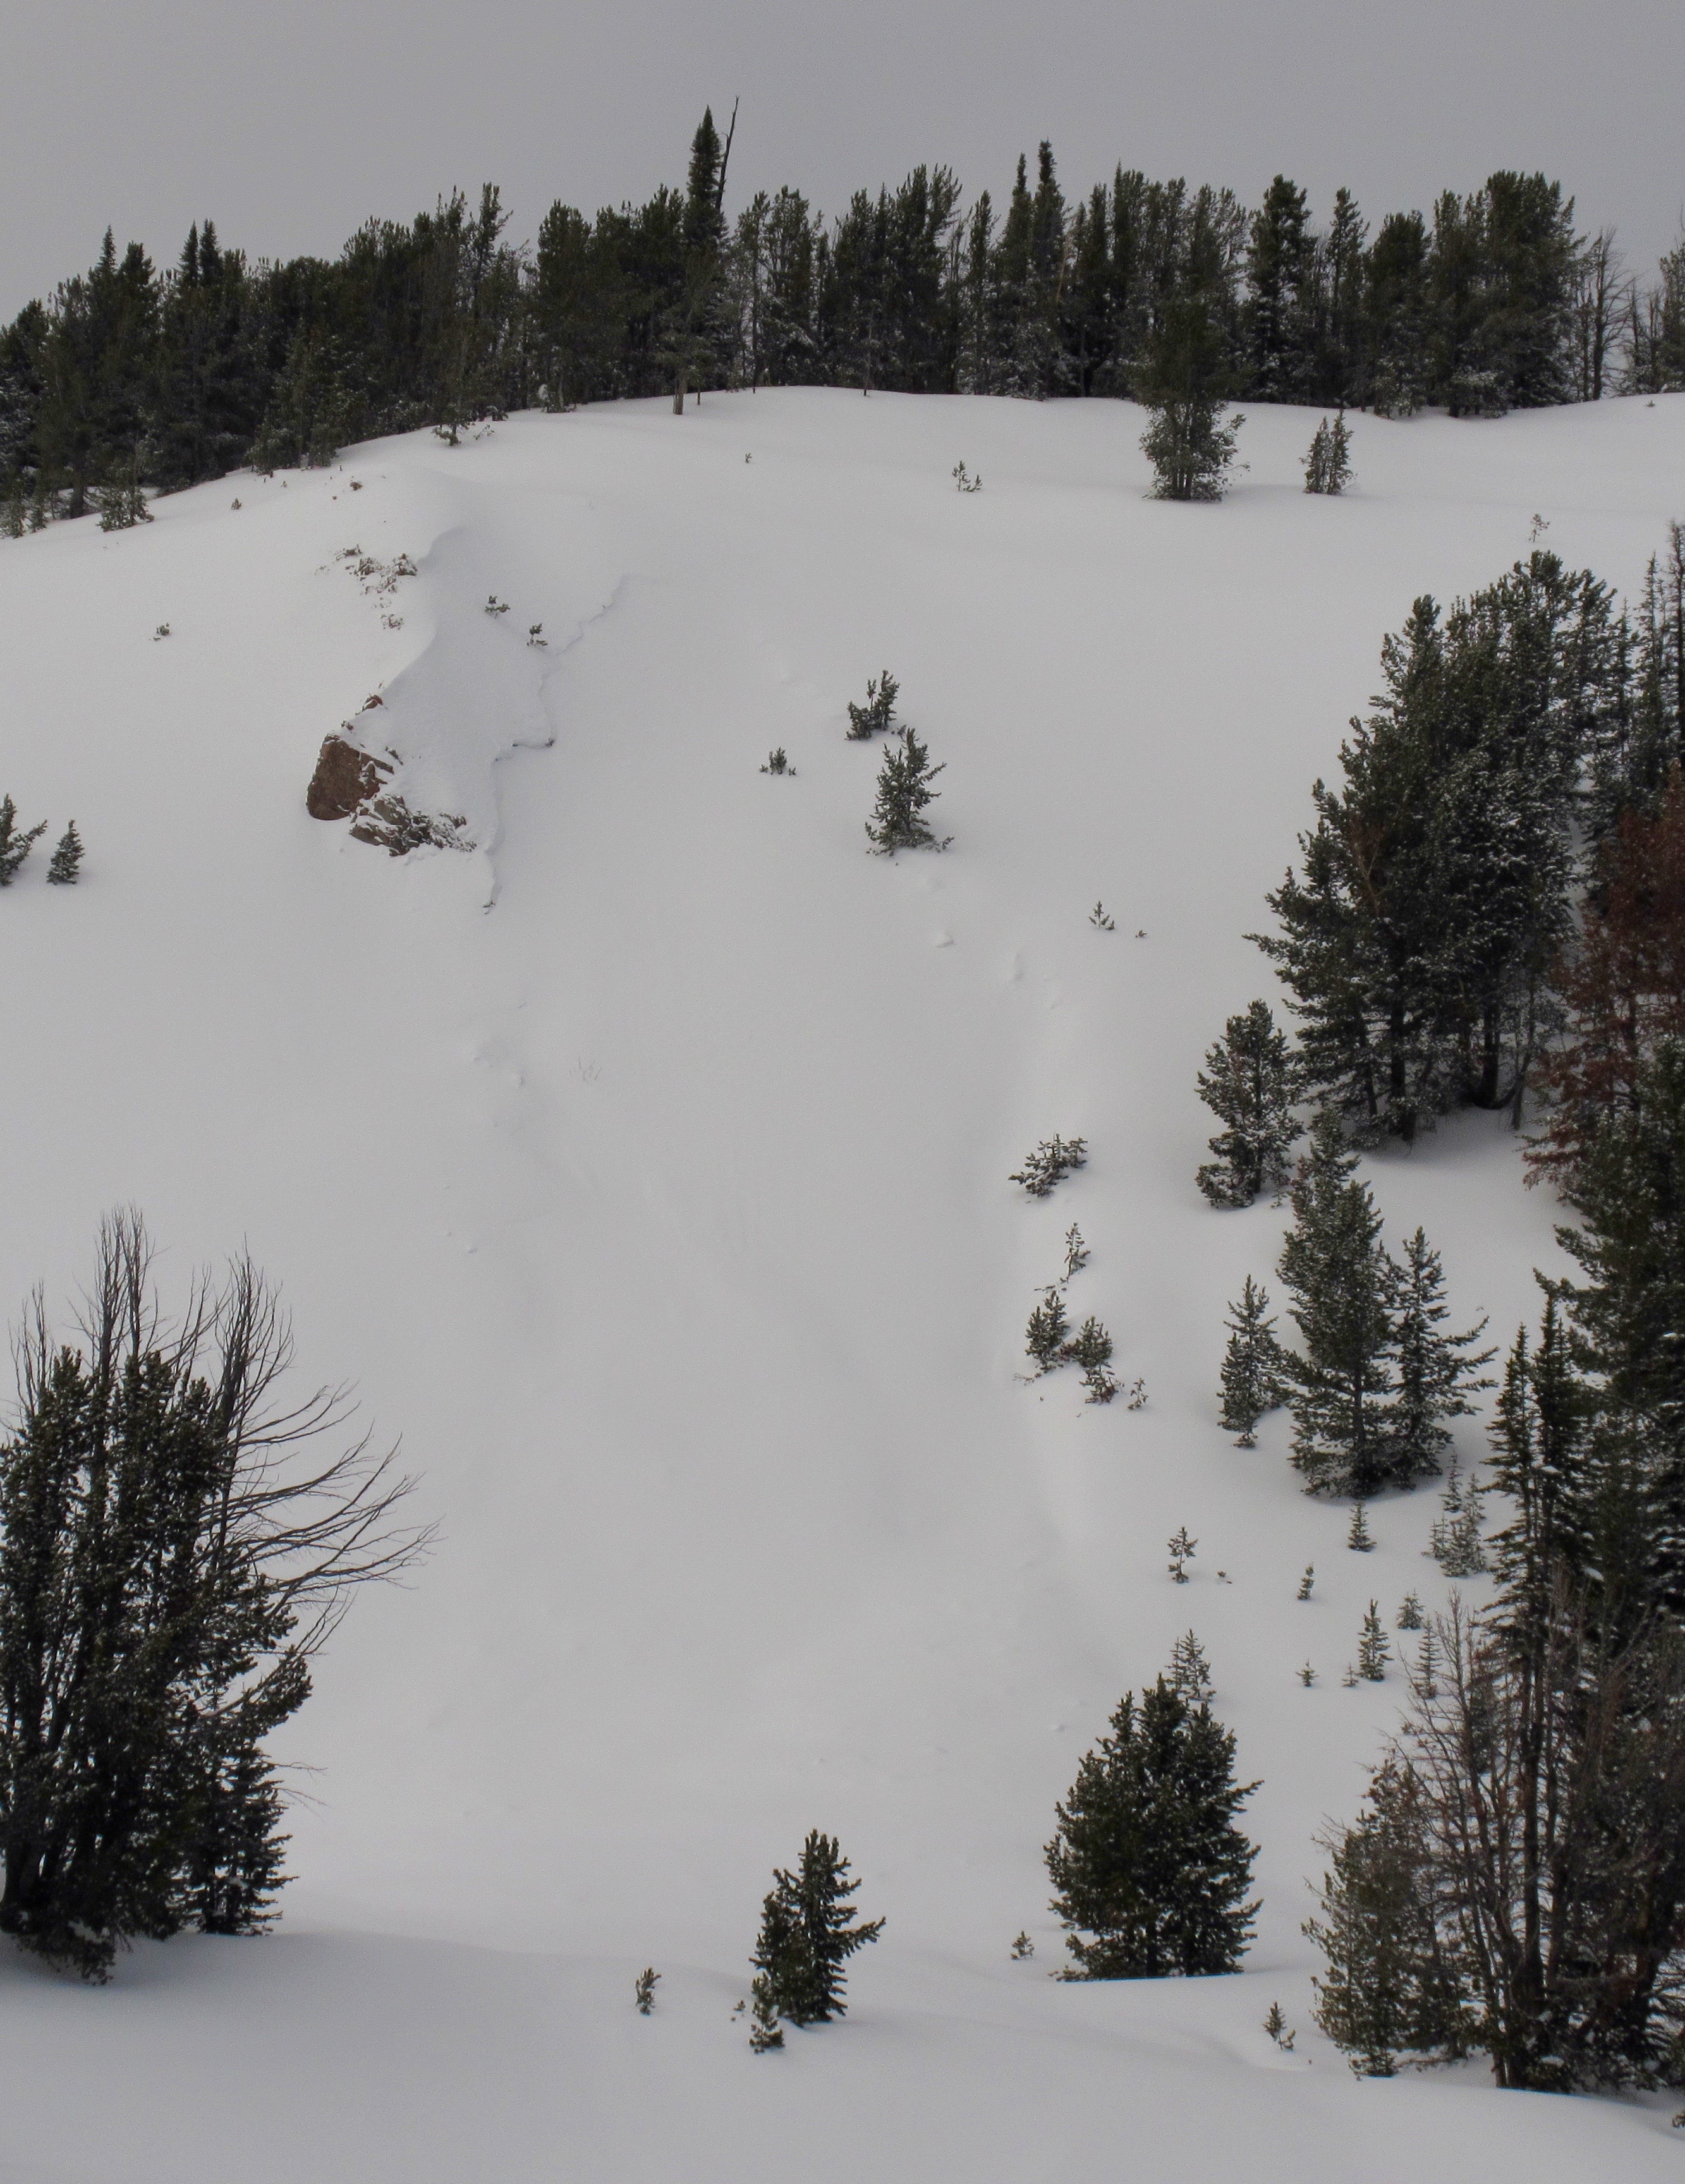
1306, 1582
1455, 1541
15, 842
62, 870
1091, 1347
878, 713
535, 636
1190, 1670
1275, 2025
777, 762
904, 793
1181, 1554
1022, 1946
764, 2033
1425, 1677
1328, 467
123, 505
1076, 1251
1359, 1539
643, 1990
1052, 1162
1101, 922
1307, 1675
1045, 1336
1410, 1613
1373, 1651
1253, 1367
1349, 1680
963, 482
163, 630
495, 606
1136, 1395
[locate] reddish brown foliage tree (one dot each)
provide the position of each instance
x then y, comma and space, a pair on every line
1624, 987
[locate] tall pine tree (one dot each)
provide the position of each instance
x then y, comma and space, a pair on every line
1343, 1286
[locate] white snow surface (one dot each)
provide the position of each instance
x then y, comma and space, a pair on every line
646, 1166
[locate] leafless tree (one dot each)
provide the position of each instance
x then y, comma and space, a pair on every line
1601, 292
1545, 1780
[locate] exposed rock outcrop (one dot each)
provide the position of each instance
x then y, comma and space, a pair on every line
345, 778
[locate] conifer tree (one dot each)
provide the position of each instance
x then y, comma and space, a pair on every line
15, 842
1539, 1436
904, 793
165, 1571
1045, 1336
1054, 1159
877, 713
1397, 312
1623, 984
1253, 1365
1183, 382
1091, 1347
1384, 1990
63, 868
1328, 467
1151, 1874
1250, 1082
1623, 1516
122, 504
1456, 1541
1190, 1670
1373, 1651
807, 1934
1432, 1368
1343, 1285
1279, 318
765, 2031
1434, 899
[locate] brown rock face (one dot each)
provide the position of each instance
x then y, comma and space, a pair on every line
344, 778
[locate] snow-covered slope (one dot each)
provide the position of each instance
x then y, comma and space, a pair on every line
647, 1167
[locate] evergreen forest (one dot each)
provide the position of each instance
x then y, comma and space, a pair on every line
127, 377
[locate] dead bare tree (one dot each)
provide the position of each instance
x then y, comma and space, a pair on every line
1541, 1786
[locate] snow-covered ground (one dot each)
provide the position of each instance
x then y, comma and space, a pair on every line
647, 1167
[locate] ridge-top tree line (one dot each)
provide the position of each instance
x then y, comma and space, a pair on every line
127, 375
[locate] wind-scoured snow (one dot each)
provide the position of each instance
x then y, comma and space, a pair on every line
646, 1166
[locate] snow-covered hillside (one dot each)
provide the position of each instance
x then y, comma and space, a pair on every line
646, 1165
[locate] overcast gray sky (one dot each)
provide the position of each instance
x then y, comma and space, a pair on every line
289, 124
